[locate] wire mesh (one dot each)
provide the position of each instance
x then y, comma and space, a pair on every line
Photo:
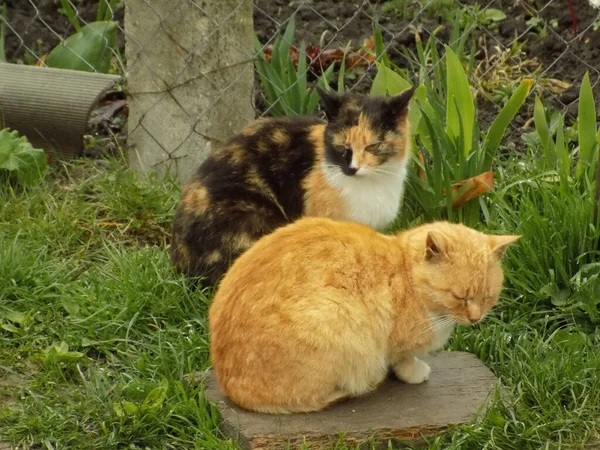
512, 40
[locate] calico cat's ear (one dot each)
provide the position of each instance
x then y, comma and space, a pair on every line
398, 104
499, 244
434, 246
330, 102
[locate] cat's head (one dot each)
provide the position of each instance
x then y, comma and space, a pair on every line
458, 272
365, 134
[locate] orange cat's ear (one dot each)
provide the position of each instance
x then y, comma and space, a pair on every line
330, 103
499, 244
434, 246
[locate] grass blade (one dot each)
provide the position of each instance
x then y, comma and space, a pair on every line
67, 10
380, 53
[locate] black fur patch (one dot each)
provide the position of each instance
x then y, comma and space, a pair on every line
254, 186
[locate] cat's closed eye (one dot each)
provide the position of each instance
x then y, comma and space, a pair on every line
373, 147
461, 298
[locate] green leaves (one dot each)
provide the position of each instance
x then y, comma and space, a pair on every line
502, 120
153, 401
588, 140
454, 164
551, 140
89, 50
387, 81
155, 398
460, 108
285, 87
19, 161
59, 353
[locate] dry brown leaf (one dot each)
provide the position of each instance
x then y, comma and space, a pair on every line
473, 187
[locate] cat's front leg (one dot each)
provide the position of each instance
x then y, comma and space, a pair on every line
412, 370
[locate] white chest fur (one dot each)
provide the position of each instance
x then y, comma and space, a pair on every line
442, 330
372, 198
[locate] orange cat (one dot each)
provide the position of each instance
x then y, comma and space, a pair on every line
320, 310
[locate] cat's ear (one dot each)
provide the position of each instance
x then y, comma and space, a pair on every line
499, 244
398, 104
330, 102
434, 246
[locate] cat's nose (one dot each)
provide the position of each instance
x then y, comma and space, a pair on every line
351, 170
474, 320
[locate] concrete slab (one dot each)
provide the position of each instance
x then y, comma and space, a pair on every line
458, 389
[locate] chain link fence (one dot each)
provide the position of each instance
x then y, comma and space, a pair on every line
190, 65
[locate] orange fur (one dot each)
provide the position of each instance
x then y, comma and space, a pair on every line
320, 310
321, 199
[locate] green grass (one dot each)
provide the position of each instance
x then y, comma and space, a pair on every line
97, 331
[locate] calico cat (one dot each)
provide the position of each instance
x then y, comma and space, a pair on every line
276, 170
320, 309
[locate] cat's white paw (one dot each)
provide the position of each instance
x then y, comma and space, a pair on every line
413, 371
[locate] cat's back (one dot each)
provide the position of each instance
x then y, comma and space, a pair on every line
266, 148
311, 253
242, 191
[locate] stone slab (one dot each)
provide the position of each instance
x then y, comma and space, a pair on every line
459, 388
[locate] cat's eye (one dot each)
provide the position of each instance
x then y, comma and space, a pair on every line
460, 298
373, 147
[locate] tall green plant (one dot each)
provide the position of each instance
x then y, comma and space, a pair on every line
426, 60
285, 86
454, 158
551, 150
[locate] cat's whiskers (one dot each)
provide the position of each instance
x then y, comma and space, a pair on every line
435, 325
380, 171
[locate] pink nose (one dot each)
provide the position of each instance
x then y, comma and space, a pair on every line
474, 319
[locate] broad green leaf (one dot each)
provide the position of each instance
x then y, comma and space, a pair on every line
502, 120
118, 410
24, 163
378, 86
70, 306
386, 78
493, 15
459, 101
9, 327
130, 408
60, 353
15, 317
155, 398
587, 126
88, 50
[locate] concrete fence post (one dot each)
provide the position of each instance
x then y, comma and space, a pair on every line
190, 80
